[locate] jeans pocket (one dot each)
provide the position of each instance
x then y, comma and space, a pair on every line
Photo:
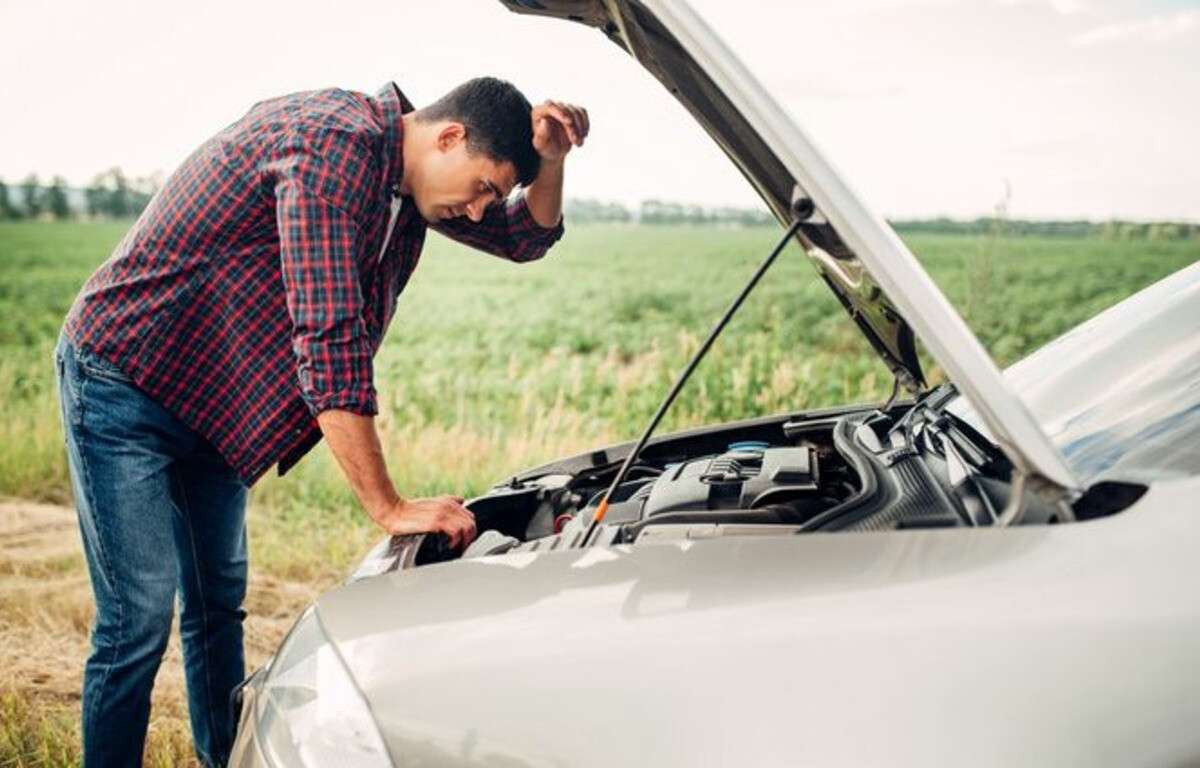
70, 398
98, 368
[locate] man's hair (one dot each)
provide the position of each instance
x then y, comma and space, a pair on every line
496, 116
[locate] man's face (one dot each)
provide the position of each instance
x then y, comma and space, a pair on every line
455, 182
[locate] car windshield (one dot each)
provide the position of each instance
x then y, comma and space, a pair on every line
1119, 395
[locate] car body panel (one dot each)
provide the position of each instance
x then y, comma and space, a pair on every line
874, 275
1119, 393
1050, 645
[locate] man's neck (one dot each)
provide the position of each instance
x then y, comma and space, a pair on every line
411, 138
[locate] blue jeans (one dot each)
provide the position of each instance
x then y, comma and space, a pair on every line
158, 510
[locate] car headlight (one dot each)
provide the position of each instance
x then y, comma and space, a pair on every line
310, 712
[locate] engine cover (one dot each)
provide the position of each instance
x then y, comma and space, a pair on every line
737, 479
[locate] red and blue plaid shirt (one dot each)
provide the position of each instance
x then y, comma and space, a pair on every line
250, 295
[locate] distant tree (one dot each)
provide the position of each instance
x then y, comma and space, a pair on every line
31, 196
110, 195
1165, 230
1128, 230
667, 212
7, 211
118, 199
148, 185
96, 198
661, 212
591, 210
142, 191
56, 199
617, 212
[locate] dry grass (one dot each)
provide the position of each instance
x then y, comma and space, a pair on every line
45, 613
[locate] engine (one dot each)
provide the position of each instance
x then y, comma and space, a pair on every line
854, 470
751, 487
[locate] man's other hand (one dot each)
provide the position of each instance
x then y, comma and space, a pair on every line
556, 127
438, 514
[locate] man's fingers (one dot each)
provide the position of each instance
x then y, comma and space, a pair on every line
586, 121
573, 119
448, 530
577, 132
464, 512
441, 515
564, 119
459, 525
580, 121
460, 533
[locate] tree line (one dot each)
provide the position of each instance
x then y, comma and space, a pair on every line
659, 212
663, 212
1112, 229
110, 195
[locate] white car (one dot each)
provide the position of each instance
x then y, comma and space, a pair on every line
999, 571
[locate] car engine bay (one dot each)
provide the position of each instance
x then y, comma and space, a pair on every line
912, 466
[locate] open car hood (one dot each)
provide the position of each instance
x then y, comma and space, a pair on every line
877, 279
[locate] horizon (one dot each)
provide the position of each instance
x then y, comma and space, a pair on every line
77, 201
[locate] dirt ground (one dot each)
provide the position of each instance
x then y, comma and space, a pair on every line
46, 610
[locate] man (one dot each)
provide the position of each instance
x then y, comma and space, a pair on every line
235, 325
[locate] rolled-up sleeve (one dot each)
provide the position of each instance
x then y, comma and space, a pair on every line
318, 241
507, 230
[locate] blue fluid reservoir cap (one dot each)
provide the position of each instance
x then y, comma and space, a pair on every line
749, 445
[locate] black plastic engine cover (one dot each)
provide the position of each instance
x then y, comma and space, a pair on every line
739, 479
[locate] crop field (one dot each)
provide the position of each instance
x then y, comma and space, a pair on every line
489, 367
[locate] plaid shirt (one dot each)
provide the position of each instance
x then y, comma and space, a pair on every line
251, 294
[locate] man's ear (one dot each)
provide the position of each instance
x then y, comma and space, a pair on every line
450, 135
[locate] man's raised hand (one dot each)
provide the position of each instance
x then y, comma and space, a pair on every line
557, 126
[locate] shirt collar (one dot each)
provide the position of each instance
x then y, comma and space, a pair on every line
391, 104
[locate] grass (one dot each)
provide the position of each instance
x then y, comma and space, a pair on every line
490, 367
34, 735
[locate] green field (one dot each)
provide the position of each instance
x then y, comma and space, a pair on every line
489, 367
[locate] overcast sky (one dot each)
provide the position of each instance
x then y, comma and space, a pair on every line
1085, 108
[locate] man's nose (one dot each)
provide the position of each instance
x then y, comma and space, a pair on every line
475, 210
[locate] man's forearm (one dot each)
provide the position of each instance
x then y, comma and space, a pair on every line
544, 196
355, 445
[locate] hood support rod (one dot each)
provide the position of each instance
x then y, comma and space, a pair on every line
802, 209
